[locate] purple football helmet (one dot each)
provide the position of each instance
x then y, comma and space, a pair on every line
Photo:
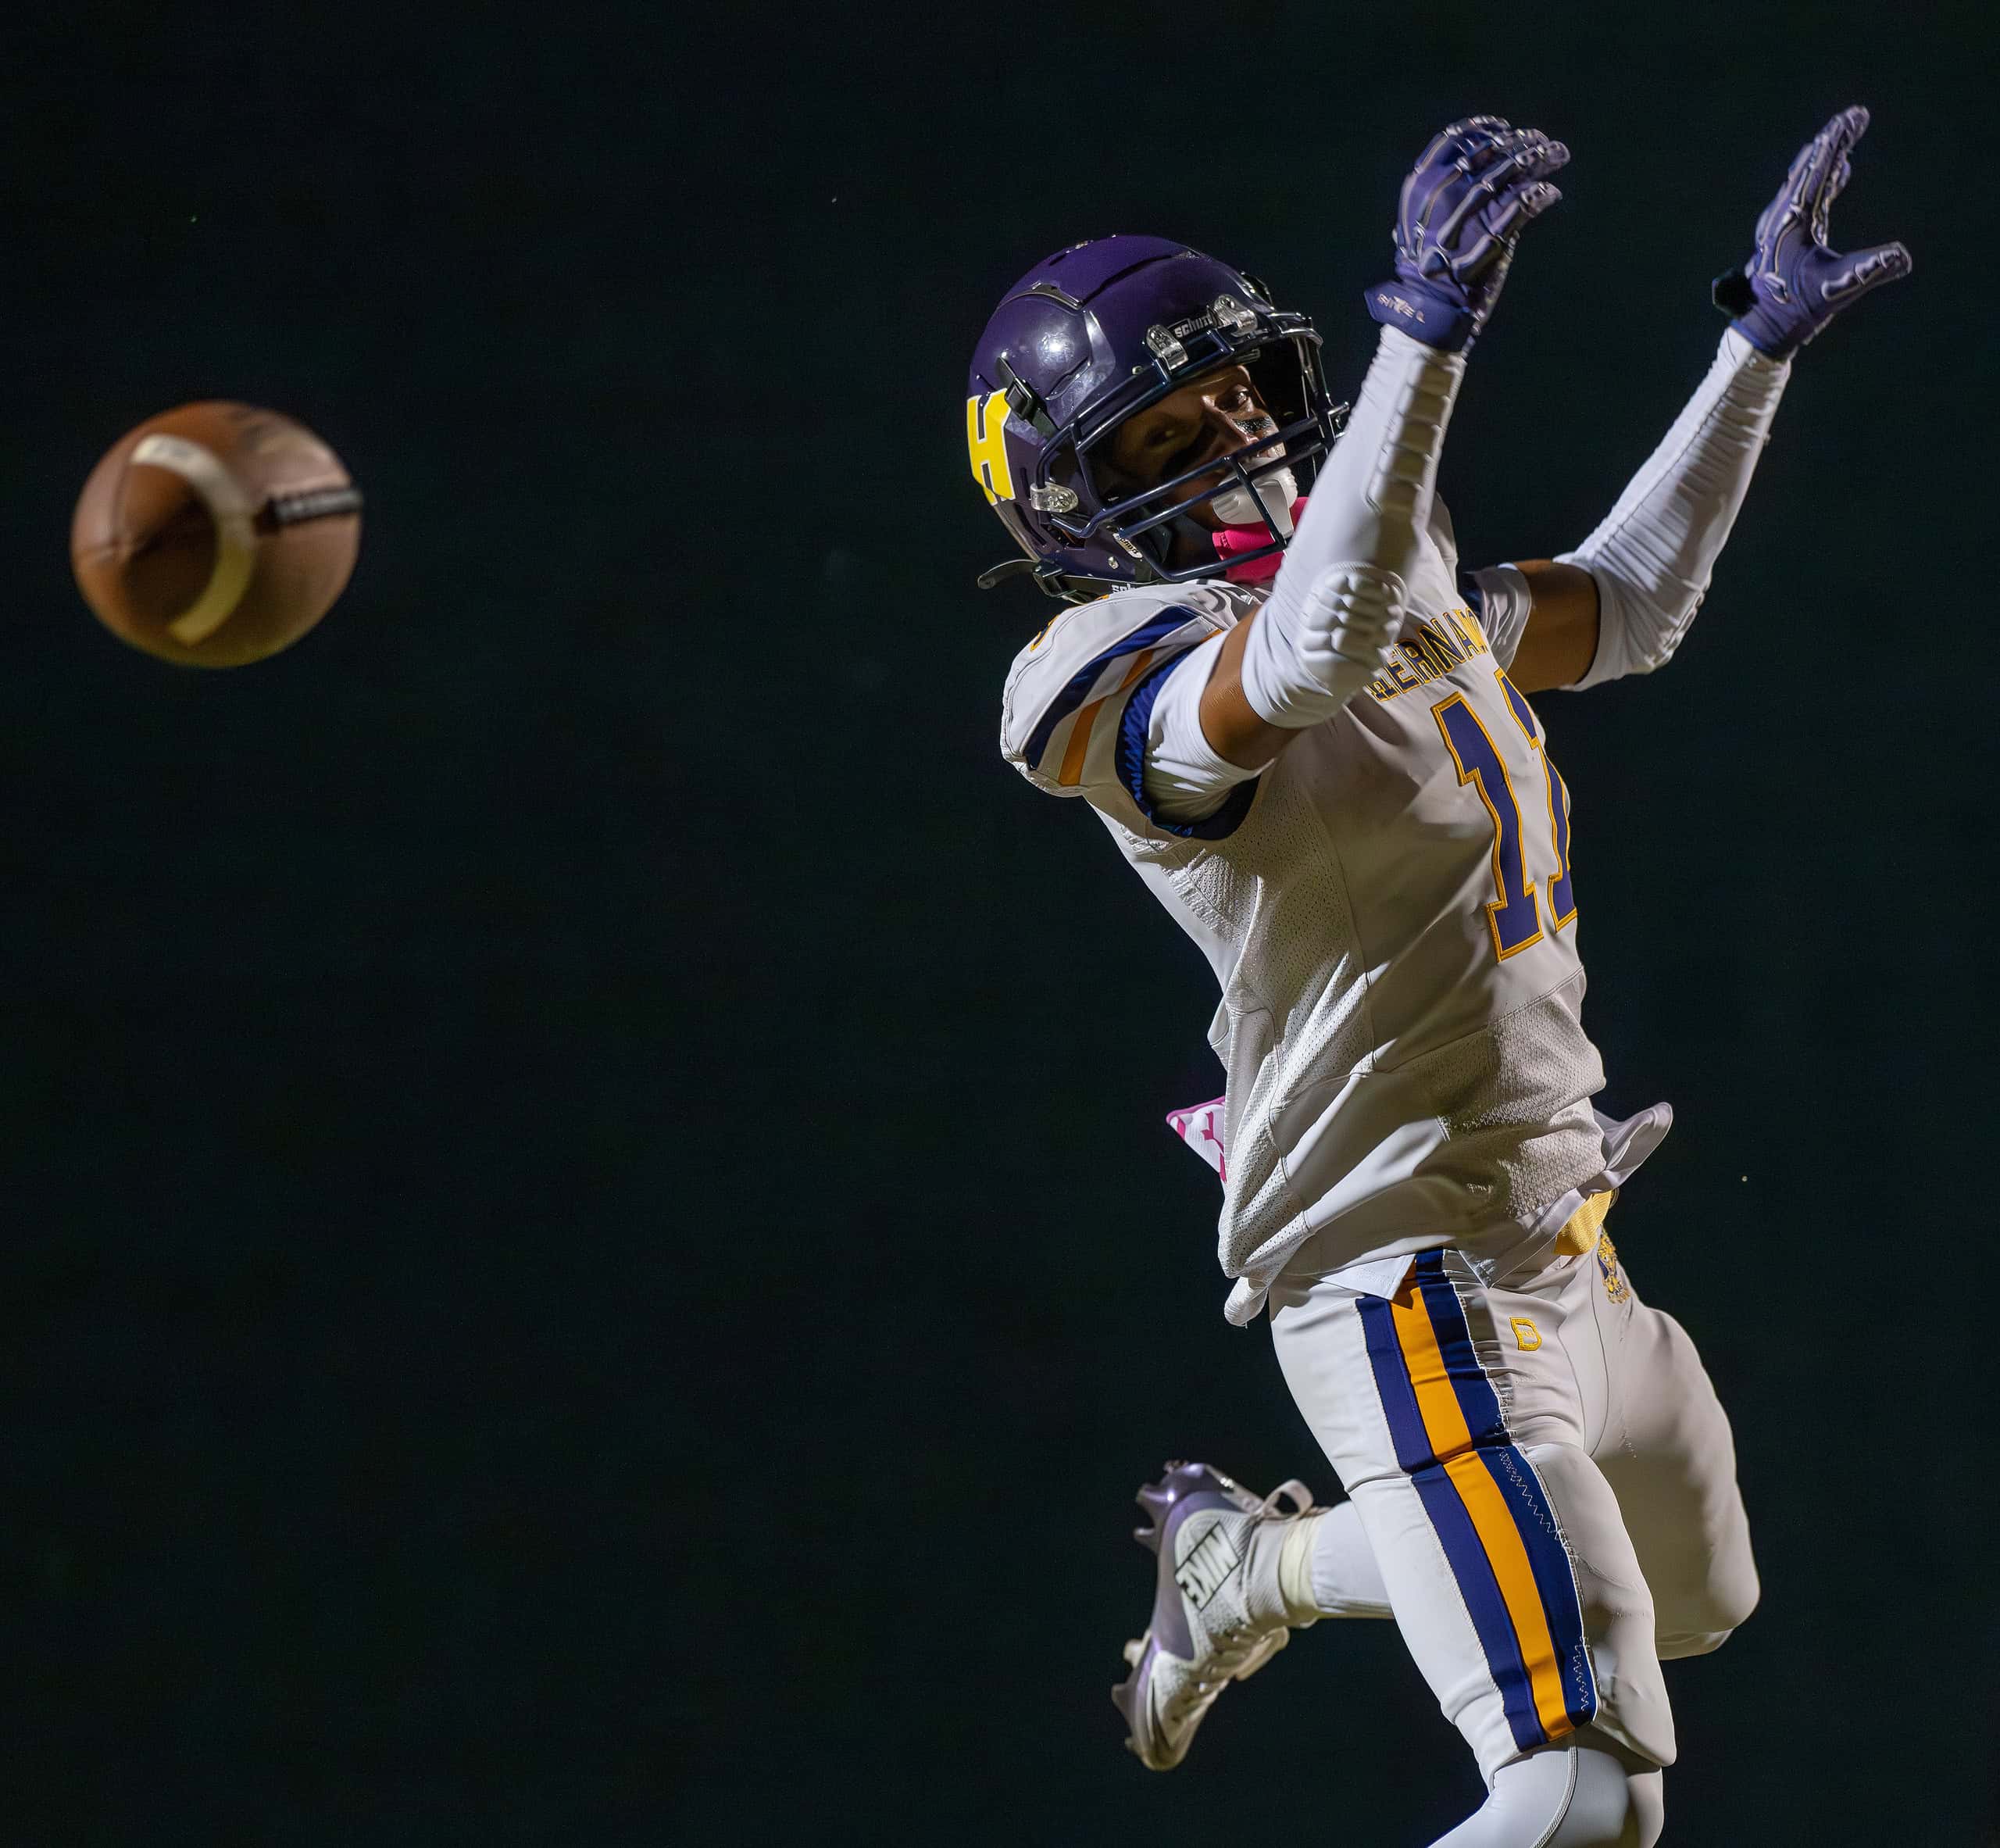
1100, 330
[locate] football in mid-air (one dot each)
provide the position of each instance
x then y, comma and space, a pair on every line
215, 535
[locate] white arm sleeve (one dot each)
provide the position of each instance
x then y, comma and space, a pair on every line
1186, 779
1374, 495
1653, 556
1316, 642
1337, 602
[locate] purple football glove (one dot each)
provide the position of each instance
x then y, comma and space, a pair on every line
1463, 209
1793, 285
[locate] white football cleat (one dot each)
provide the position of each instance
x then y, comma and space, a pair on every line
1204, 1634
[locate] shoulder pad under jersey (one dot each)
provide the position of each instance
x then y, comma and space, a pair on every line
1059, 719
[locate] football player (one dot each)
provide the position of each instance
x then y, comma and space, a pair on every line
1311, 737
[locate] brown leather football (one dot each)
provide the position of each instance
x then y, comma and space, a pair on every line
215, 535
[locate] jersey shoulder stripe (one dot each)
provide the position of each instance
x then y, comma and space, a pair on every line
1068, 687
1127, 658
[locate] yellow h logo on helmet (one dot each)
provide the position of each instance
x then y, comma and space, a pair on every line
986, 437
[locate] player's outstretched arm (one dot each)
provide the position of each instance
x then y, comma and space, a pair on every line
1338, 604
1649, 565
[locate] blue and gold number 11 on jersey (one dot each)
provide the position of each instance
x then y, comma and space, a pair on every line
1561, 902
1512, 915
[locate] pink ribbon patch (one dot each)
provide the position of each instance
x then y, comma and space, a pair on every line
1200, 1127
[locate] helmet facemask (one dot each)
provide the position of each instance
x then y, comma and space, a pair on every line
1100, 332
1254, 487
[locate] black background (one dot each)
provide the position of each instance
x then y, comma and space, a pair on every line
592, 1256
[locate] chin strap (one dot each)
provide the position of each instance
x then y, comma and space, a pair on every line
1232, 540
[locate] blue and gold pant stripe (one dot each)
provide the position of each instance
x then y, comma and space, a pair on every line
1485, 1502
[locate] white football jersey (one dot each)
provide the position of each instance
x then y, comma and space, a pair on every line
1390, 914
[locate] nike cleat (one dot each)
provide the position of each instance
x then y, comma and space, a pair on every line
1204, 1633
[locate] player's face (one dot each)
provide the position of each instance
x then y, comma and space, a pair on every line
1210, 418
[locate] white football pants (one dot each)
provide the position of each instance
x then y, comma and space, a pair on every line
1547, 1481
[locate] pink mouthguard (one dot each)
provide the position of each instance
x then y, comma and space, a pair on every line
1231, 539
